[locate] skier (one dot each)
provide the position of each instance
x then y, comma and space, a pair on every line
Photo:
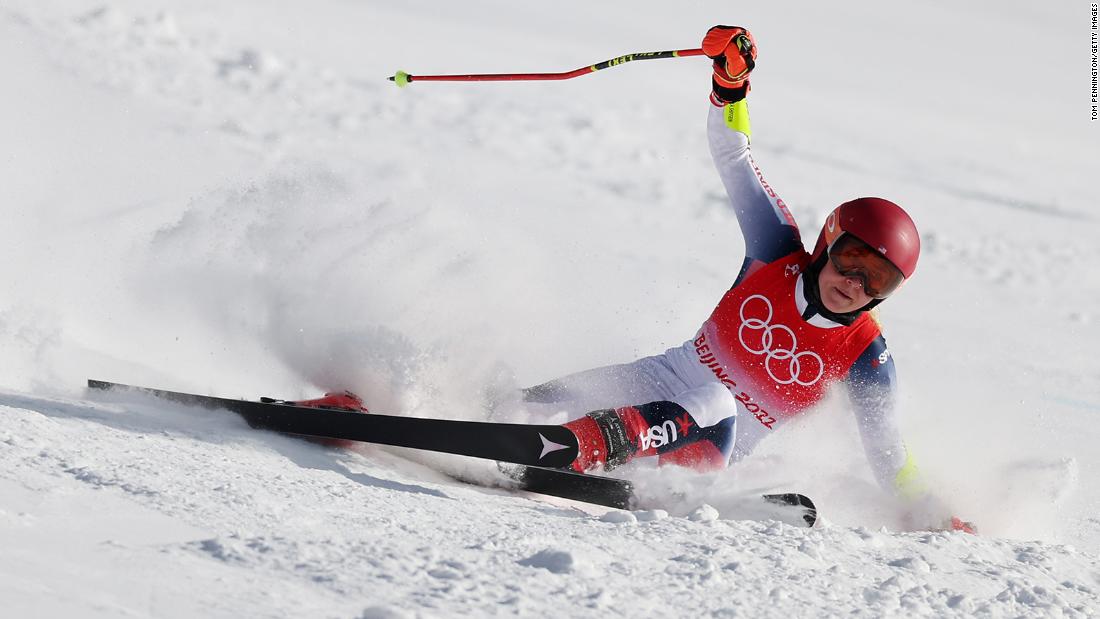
794, 323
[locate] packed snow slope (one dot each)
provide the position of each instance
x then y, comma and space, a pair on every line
231, 199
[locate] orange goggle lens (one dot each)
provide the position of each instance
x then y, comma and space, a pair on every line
853, 258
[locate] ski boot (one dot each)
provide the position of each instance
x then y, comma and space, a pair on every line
335, 401
339, 401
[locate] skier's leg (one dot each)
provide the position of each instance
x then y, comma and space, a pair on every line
609, 385
645, 380
694, 428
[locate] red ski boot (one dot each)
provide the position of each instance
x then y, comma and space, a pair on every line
346, 401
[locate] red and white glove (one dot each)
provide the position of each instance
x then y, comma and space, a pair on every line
958, 524
929, 513
733, 50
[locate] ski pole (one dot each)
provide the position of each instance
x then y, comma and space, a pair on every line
403, 79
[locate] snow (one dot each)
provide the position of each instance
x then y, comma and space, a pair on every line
233, 200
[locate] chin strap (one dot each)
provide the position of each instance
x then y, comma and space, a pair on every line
813, 296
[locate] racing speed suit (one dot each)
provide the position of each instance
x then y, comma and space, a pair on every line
765, 355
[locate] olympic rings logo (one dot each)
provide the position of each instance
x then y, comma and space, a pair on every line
778, 344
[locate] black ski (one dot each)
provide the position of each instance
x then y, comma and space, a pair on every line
540, 450
619, 493
537, 445
606, 491
801, 502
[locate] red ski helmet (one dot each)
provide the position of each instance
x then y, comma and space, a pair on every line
883, 225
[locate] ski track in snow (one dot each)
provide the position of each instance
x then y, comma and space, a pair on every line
214, 200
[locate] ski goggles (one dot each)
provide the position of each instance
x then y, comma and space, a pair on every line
853, 258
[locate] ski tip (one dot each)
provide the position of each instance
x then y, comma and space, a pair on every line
401, 78
800, 501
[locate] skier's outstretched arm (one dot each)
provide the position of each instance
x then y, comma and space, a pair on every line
769, 229
872, 385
